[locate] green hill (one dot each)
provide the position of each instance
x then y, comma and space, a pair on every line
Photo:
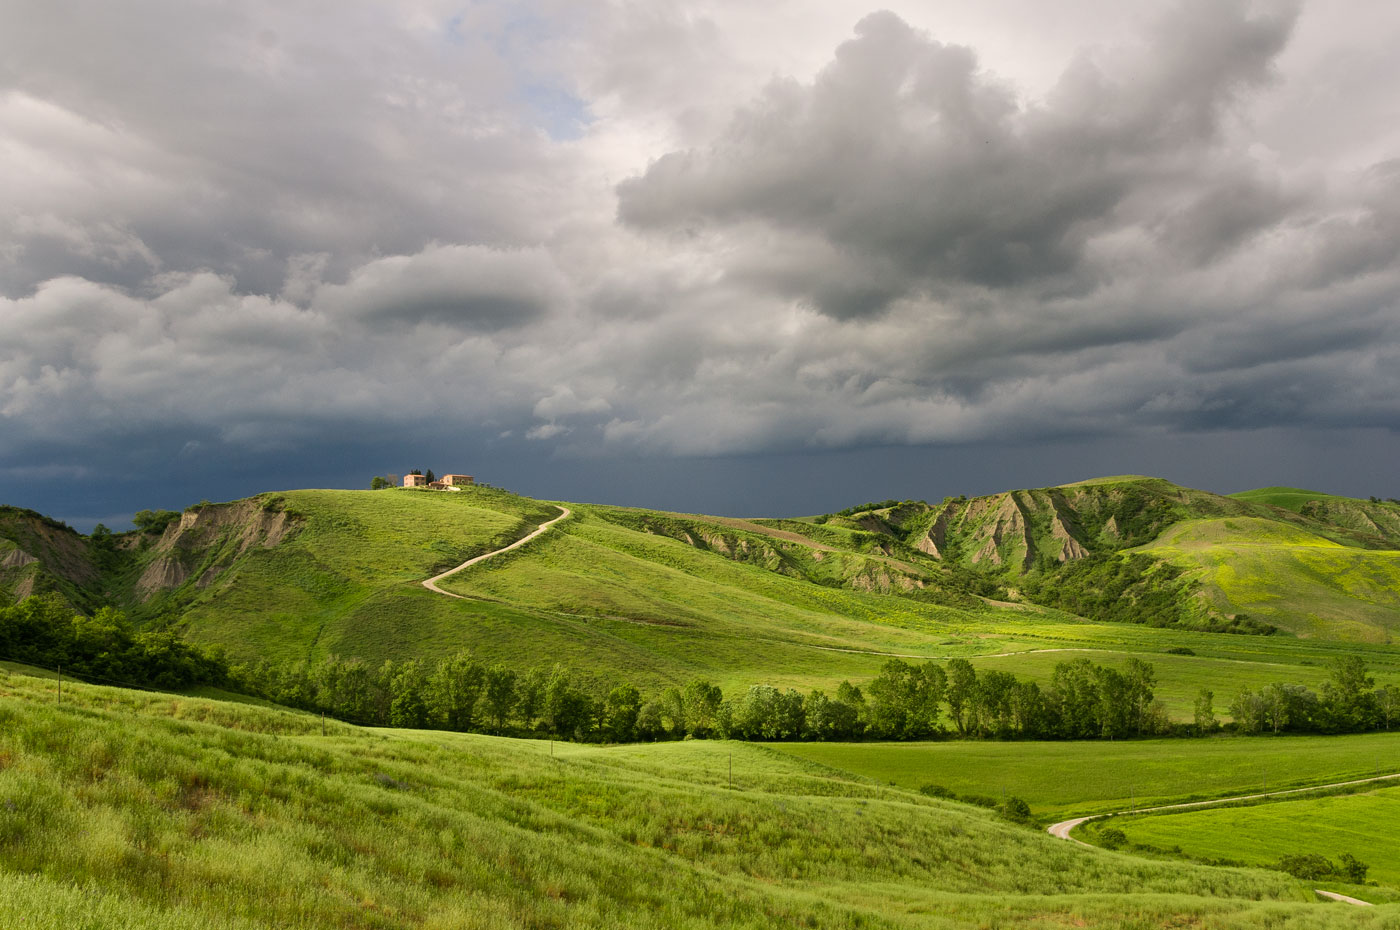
1012, 580
135, 810
1305, 583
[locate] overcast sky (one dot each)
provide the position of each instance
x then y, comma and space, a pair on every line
721, 256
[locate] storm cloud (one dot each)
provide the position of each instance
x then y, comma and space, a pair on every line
679, 230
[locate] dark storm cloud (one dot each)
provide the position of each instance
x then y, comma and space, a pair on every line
920, 170
255, 230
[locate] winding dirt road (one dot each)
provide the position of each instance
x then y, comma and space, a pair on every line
1065, 827
431, 583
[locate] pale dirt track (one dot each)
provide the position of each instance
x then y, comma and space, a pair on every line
431, 583
1065, 827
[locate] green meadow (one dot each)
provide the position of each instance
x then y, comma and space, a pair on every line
1065, 779
658, 599
1295, 579
610, 594
1364, 825
130, 809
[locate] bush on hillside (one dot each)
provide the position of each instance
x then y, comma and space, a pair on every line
1112, 838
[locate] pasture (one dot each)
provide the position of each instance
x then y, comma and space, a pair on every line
135, 809
1064, 779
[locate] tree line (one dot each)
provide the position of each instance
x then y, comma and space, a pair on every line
1349, 702
44, 630
905, 701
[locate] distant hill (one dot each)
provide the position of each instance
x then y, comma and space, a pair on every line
660, 597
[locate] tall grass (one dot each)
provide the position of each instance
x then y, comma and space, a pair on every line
147, 810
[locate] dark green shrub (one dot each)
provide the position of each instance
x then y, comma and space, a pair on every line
1113, 838
1015, 809
1308, 866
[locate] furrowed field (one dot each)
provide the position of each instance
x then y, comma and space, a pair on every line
129, 809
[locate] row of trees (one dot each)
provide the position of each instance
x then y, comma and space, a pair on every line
43, 630
1349, 702
1083, 701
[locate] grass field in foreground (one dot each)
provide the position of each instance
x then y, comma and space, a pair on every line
1061, 780
137, 810
1365, 825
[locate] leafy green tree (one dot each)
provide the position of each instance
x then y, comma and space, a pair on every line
993, 705
1248, 710
828, 719
1275, 706
790, 716
566, 709
673, 711
1205, 712
891, 700
1015, 809
379, 483
456, 687
620, 713
1349, 702
154, 521
1388, 705
1113, 710
499, 691
1074, 699
764, 712
529, 697
1310, 866
408, 706
1140, 679
700, 703
650, 726
1030, 713
930, 687
345, 688
960, 694
1353, 869
1113, 838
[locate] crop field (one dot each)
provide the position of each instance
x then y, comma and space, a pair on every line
1064, 779
133, 809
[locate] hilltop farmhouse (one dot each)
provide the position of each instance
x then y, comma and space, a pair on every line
445, 483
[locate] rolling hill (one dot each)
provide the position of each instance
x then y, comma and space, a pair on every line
655, 598
137, 810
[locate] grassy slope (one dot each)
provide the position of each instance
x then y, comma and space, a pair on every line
651, 598
1287, 576
1066, 779
132, 809
1364, 825
619, 602
1292, 499
352, 550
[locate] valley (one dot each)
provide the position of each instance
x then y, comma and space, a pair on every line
1252, 594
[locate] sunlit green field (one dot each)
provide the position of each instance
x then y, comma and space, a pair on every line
349, 549
127, 809
618, 603
1061, 780
1289, 577
1364, 825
